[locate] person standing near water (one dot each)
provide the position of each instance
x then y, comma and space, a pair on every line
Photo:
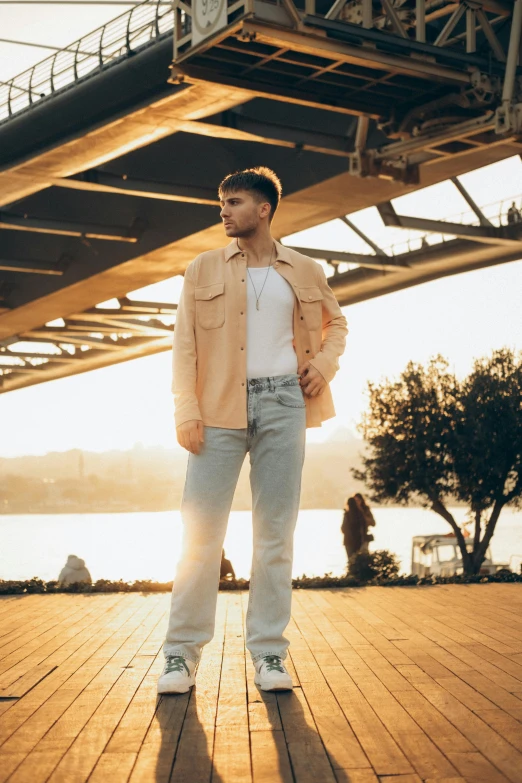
257, 341
357, 518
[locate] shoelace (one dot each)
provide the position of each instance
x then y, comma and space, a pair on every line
273, 663
176, 663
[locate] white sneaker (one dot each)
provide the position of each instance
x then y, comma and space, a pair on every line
178, 675
272, 675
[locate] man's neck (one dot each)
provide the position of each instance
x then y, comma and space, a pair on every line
259, 249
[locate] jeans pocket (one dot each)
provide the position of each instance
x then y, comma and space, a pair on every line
290, 396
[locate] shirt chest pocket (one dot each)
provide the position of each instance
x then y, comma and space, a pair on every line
311, 300
210, 305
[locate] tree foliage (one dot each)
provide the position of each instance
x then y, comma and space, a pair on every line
434, 438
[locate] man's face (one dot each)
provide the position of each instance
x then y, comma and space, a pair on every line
242, 213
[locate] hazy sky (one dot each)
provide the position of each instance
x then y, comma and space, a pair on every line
460, 317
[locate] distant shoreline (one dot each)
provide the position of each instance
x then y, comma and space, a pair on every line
128, 510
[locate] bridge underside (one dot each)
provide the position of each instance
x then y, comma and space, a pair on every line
109, 186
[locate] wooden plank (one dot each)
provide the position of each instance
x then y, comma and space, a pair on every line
33, 715
490, 744
505, 725
387, 688
31, 616
37, 650
156, 756
231, 759
476, 769
356, 776
27, 682
92, 638
109, 694
425, 757
434, 724
270, 759
32, 633
310, 762
196, 744
82, 694
474, 690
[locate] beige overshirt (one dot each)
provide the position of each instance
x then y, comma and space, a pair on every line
209, 352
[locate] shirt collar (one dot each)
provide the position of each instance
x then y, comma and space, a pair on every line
283, 253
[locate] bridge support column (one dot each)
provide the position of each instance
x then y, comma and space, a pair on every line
509, 115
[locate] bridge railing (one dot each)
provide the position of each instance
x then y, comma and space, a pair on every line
132, 31
496, 213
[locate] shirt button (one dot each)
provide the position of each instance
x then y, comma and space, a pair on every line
242, 279
307, 351
244, 349
209, 296
242, 384
241, 312
310, 296
302, 318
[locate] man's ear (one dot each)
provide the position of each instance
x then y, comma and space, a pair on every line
265, 209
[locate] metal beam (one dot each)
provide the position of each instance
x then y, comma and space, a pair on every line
29, 267
420, 20
392, 15
61, 358
65, 228
513, 55
450, 25
100, 182
84, 323
488, 235
378, 250
471, 31
50, 333
371, 262
474, 206
292, 12
488, 31
357, 55
44, 46
335, 9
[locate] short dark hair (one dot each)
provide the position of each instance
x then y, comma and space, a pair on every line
260, 180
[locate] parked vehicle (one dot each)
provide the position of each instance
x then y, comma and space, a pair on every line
439, 555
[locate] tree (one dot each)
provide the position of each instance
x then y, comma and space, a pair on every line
433, 438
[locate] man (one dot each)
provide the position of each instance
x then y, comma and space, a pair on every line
513, 214
257, 340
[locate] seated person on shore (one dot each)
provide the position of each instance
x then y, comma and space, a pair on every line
227, 569
73, 571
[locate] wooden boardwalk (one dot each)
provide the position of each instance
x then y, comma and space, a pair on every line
398, 685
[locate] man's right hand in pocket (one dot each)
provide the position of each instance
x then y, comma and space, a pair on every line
190, 435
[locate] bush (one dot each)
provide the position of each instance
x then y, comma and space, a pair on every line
381, 567
369, 566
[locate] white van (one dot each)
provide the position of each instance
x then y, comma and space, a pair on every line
439, 555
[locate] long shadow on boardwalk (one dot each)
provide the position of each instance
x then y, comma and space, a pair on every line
187, 740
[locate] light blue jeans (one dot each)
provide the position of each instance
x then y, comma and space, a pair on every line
275, 440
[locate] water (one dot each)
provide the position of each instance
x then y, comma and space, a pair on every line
147, 545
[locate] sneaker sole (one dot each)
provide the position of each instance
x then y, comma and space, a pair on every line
171, 688
273, 687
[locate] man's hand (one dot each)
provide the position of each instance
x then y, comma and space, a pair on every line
190, 435
311, 381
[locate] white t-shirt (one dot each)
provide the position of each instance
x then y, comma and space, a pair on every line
270, 329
